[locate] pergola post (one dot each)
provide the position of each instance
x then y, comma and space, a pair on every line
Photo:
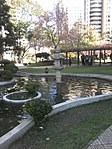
66, 58
78, 58
111, 57
94, 57
104, 56
91, 51
100, 57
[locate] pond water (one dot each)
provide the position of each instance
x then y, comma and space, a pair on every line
70, 88
73, 88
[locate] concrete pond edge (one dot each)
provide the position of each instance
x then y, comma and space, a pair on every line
17, 132
5, 97
7, 82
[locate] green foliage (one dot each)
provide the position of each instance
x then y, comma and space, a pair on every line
32, 86
11, 67
6, 38
76, 127
5, 61
38, 109
9, 70
42, 63
44, 55
5, 75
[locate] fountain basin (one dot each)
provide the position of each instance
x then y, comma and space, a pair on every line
72, 86
10, 137
5, 97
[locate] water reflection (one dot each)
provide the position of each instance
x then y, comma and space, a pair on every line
73, 88
83, 87
70, 88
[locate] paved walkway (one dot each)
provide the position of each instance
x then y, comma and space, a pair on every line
104, 141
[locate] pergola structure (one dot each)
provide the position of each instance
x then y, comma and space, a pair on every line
91, 51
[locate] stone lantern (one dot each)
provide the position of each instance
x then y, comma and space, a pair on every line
58, 67
58, 64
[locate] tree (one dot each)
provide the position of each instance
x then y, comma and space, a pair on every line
20, 32
6, 28
43, 55
81, 35
52, 27
26, 10
90, 36
23, 23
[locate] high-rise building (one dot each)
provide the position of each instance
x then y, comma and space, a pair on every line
75, 11
75, 14
97, 13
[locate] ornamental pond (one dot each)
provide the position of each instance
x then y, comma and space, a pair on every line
70, 88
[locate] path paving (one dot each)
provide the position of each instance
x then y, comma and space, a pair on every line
104, 141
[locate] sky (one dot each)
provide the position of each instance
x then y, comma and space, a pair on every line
70, 4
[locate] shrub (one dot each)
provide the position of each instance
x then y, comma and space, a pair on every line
38, 109
32, 86
5, 75
5, 61
11, 67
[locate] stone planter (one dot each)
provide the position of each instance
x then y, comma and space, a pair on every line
5, 97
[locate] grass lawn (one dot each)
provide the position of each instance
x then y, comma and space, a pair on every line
73, 128
73, 69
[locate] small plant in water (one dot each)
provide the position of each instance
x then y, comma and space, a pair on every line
32, 86
38, 109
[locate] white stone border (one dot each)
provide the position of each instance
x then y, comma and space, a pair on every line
5, 97
78, 101
7, 82
16, 133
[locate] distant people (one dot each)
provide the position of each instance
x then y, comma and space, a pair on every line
46, 70
111, 57
87, 60
83, 59
91, 60
70, 60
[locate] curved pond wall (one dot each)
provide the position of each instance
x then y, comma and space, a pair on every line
16, 133
5, 97
7, 139
7, 82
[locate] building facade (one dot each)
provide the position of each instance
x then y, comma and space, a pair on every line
97, 13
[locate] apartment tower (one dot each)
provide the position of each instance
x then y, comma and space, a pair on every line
97, 13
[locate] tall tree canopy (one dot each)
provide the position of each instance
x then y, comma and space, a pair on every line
23, 15
26, 10
52, 27
6, 28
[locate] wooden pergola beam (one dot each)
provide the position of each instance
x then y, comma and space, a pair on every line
87, 49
